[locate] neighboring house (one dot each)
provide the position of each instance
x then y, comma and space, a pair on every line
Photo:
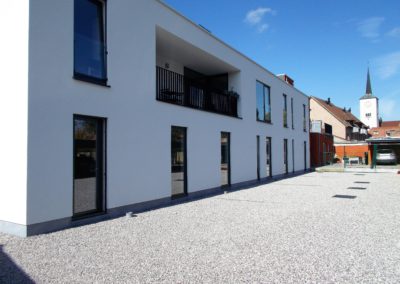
116, 106
343, 124
386, 129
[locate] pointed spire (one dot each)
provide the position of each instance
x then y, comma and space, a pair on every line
368, 90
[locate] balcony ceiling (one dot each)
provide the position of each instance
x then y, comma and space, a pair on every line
176, 49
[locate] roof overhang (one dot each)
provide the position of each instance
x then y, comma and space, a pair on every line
386, 140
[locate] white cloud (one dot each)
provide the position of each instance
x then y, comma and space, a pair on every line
394, 32
388, 65
262, 28
254, 17
370, 28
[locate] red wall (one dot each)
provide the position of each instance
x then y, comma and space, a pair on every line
352, 151
316, 148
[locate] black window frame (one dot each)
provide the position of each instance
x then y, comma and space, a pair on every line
264, 100
291, 112
84, 77
185, 166
285, 114
304, 118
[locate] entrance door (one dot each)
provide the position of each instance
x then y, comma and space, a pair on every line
268, 145
293, 155
89, 166
285, 155
258, 157
305, 155
225, 159
178, 162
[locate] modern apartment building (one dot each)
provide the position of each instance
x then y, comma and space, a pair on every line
115, 106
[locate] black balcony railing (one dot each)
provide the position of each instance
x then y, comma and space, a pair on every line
177, 89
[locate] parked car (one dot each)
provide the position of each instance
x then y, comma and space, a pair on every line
386, 156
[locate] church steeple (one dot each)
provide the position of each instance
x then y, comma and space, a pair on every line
369, 106
368, 90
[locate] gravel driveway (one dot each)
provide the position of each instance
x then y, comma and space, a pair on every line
289, 231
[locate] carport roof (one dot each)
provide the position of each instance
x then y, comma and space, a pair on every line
383, 140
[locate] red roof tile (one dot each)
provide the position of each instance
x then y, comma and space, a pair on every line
346, 117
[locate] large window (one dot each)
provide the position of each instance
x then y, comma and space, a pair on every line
268, 148
225, 158
291, 109
263, 102
178, 162
304, 118
285, 111
285, 155
90, 41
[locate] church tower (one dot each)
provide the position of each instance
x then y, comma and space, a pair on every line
369, 106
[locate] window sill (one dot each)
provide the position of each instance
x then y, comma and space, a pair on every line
266, 122
92, 80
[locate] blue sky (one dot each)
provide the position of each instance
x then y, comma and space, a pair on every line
324, 45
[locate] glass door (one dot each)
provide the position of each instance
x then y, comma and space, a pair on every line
178, 162
89, 190
258, 157
225, 159
269, 156
293, 156
285, 155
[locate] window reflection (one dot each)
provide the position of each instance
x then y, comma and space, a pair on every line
178, 160
225, 158
263, 100
89, 39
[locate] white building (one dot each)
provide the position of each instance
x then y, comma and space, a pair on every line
115, 106
369, 106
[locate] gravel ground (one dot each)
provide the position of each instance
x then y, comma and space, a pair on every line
290, 231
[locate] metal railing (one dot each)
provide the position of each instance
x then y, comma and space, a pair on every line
177, 89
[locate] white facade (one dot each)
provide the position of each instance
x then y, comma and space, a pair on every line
41, 97
369, 111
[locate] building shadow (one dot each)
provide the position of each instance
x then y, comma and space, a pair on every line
10, 272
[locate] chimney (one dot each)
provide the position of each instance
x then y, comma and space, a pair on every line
329, 101
286, 78
349, 109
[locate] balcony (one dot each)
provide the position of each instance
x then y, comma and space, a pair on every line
198, 93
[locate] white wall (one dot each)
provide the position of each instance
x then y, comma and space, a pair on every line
14, 18
139, 127
369, 106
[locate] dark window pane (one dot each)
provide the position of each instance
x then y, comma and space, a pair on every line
267, 98
89, 38
178, 161
268, 156
225, 158
88, 141
260, 101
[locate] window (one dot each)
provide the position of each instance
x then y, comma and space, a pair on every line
90, 41
285, 155
305, 155
258, 157
268, 149
285, 111
225, 158
291, 109
304, 118
368, 114
178, 162
263, 102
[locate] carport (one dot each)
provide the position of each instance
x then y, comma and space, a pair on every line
383, 143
